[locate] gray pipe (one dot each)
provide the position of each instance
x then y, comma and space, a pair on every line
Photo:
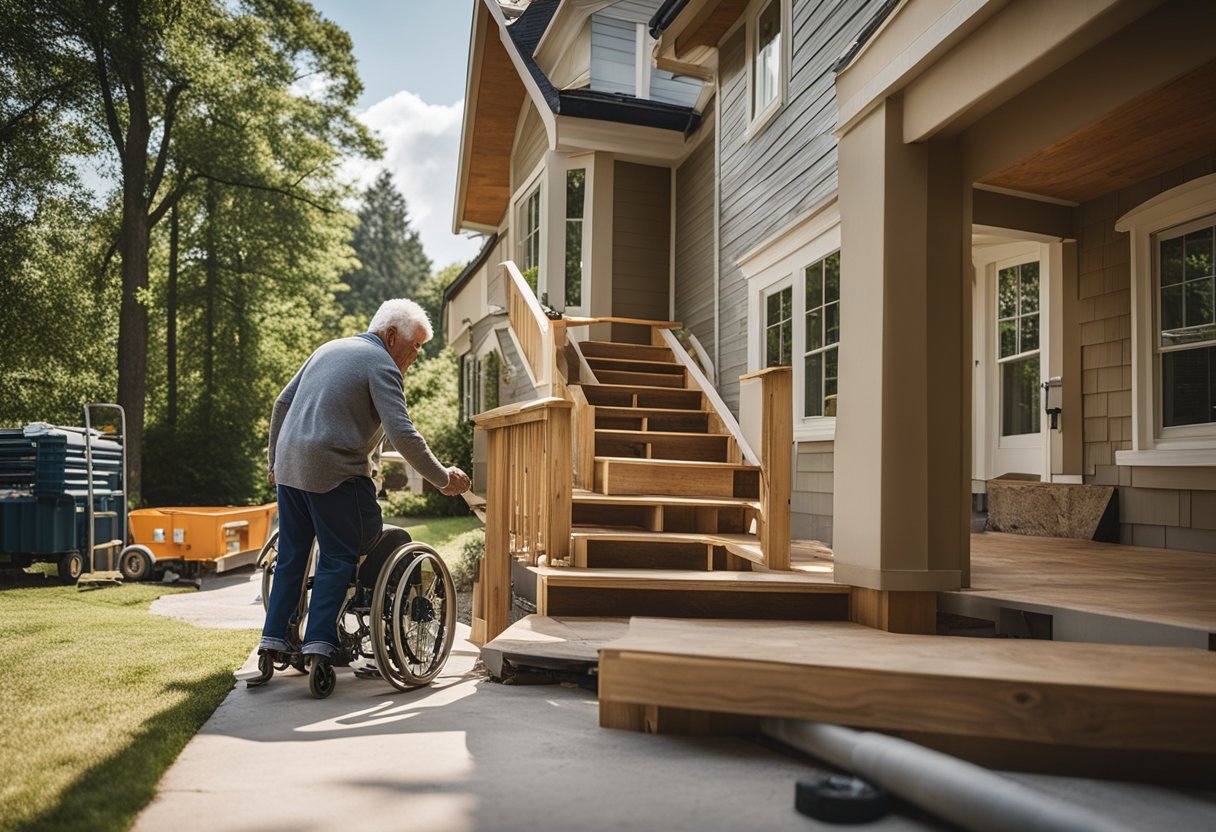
968, 795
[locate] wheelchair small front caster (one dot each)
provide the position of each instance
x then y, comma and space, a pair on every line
321, 677
266, 666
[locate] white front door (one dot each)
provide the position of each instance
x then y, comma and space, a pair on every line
1010, 280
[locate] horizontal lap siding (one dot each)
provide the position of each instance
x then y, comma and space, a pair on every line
641, 241
529, 149
787, 168
695, 241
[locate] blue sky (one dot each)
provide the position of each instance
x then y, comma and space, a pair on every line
412, 57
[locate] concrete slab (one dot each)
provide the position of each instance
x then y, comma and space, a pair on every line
232, 600
463, 754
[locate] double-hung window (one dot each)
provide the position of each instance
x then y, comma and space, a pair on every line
822, 340
528, 238
779, 327
1017, 314
1173, 242
1186, 323
576, 192
767, 35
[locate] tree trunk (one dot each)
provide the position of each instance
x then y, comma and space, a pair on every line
133, 316
211, 288
171, 322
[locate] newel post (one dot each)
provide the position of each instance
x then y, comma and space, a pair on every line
775, 441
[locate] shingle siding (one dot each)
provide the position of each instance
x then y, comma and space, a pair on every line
1150, 513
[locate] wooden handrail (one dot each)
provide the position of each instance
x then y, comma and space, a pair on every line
528, 499
610, 319
530, 324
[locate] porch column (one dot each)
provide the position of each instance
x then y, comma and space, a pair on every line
902, 479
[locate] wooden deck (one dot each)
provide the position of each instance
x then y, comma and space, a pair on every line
1103, 592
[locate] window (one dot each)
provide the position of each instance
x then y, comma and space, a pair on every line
779, 327
1186, 269
1017, 314
820, 361
1173, 248
766, 67
576, 181
468, 386
527, 250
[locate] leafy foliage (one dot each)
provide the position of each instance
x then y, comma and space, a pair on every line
391, 261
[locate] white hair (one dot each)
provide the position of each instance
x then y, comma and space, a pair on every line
407, 316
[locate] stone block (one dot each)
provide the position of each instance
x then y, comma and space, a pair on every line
1047, 509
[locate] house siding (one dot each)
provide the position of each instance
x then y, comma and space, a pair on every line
1173, 508
641, 241
529, 148
694, 287
784, 170
812, 493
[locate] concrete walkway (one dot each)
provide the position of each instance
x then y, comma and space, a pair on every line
468, 754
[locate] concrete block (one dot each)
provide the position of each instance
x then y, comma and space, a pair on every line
1046, 509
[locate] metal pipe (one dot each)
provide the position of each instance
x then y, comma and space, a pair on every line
965, 794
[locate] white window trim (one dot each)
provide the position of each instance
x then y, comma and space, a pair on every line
757, 122
585, 163
807, 240
1151, 445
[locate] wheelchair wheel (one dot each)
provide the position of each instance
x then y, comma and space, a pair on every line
413, 616
267, 559
321, 678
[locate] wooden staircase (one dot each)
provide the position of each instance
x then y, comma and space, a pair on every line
667, 519
629, 489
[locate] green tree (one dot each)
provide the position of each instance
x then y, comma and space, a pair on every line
176, 89
392, 263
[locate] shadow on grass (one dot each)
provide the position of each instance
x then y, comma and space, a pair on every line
111, 793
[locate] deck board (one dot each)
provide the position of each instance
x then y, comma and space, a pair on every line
1163, 586
1085, 695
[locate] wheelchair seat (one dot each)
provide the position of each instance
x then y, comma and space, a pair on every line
391, 539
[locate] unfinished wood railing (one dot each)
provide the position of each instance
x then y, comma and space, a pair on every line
532, 328
773, 434
528, 491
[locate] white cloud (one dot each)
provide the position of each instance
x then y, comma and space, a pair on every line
422, 145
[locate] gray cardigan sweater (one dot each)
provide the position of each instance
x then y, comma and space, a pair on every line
331, 418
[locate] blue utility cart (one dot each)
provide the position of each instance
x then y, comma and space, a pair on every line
63, 495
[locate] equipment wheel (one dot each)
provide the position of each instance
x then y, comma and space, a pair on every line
267, 560
71, 567
413, 616
135, 563
321, 678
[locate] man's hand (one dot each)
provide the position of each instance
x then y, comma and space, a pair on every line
270, 477
458, 482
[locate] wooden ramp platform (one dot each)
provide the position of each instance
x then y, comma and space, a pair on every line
1095, 592
1090, 697
541, 642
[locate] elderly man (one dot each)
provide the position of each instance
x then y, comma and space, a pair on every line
325, 427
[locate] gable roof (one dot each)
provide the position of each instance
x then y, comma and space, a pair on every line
492, 105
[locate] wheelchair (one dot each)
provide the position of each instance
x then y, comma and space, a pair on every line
403, 607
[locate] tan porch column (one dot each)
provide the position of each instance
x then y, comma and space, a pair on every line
902, 480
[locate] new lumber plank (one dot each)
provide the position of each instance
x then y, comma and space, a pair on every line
1082, 695
541, 641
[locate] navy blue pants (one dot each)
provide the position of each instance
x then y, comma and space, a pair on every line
344, 522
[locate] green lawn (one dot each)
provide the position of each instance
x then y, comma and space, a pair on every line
444, 533
98, 698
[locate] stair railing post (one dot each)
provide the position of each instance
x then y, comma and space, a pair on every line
496, 565
776, 462
559, 481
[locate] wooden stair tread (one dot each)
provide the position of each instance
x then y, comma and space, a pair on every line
1098, 696
581, 496
616, 345
674, 463
641, 388
691, 579
621, 410
641, 435
644, 535
671, 367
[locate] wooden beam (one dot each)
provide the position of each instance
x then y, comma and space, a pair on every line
895, 612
